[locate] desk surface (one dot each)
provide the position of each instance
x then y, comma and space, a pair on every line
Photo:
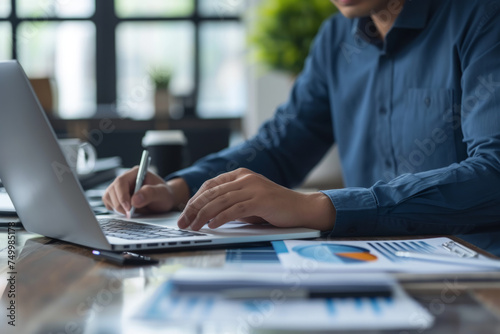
61, 288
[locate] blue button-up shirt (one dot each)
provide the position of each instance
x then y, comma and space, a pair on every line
416, 118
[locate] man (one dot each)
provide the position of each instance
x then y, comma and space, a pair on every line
410, 92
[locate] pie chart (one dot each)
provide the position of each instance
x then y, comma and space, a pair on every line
335, 253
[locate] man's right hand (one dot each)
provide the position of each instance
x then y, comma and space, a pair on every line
155, 195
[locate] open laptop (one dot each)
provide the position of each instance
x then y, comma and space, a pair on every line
50, 201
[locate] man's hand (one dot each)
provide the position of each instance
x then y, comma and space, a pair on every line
155, 195
246, 196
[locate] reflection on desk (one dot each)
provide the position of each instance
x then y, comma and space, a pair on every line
61, 288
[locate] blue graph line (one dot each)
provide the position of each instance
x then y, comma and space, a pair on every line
375, 306
388, 253
428, 247
419, 247
390, 245
389, 300
409, 246
330, 306
359, 303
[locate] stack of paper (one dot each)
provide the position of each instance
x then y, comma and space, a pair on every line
205, 304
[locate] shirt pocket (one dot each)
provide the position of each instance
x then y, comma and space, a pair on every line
427, 136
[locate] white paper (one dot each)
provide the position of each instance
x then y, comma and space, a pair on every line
397, 312
258, 259
5, 203
366, 256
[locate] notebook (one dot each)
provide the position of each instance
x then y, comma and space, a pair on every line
50, 201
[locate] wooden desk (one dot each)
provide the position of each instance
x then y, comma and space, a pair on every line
61, 288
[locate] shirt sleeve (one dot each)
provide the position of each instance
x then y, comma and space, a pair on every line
281, 150
456, 199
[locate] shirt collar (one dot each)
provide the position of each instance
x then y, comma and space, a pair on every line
413, 16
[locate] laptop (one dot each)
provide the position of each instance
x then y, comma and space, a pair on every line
50, 201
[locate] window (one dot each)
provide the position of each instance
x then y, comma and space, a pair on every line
222, 77
99, 53
5, 41
4, 8
54, 8
5, 31
221, 8
154, 8
62, 51
173, 49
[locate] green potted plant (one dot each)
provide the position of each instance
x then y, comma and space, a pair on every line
161, 78
284, 30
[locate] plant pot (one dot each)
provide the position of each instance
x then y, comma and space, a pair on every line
162, 103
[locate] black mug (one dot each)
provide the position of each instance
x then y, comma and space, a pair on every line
167, 149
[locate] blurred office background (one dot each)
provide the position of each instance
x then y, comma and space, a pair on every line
95, 59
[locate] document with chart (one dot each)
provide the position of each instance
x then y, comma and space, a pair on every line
277, 312
425, 256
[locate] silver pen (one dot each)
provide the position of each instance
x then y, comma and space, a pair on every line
141, 174
485, 263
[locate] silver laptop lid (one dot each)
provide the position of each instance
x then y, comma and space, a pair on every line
47, 196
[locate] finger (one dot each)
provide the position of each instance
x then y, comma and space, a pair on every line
155, 197
106, 199
238, 210
212, 183
122, 193
221, 203
121, 185
108, 205
232, 181
195, 205
115, 203
124, 186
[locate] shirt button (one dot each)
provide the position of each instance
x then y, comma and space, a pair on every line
383, 110
352, 230
388, 163
427, 101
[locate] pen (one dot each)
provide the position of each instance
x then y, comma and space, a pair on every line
124, 258
490, 263
141, 174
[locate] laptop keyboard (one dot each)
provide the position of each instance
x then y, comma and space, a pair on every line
136, 231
